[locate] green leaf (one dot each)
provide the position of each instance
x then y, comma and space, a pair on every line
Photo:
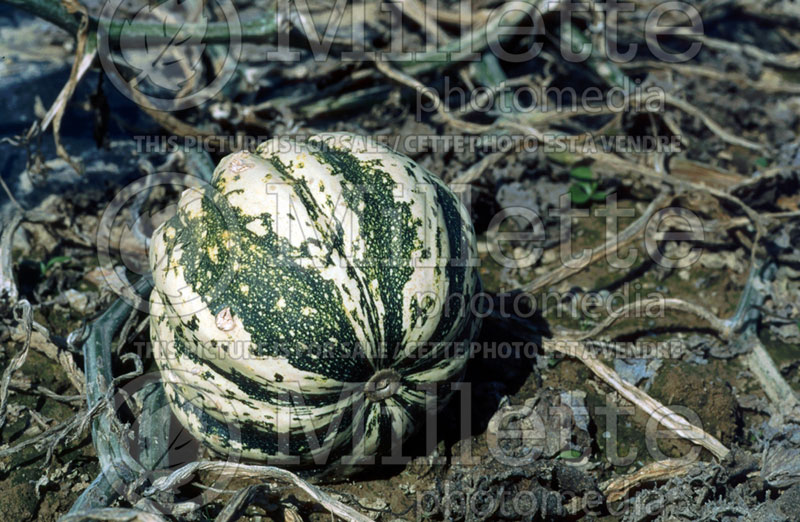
582, 173
600, 195
50, 264
580, 193
762, 162
569, 454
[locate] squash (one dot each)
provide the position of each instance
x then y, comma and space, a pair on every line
308, 300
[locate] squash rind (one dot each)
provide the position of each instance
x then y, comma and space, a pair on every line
325, 263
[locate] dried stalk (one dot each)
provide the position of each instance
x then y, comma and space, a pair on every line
764, 85
611, 246
774, 385
782, 396
662, 414
41, 343
616, 489
335, 507
18, 360
55, 436
113, 515
713, 126
782, 61
79, 68
8, 285
24, 385
459, 50
475, 171
56, 110
723, 327
418, 86
425, 19
118, 467
235, 508
259, 30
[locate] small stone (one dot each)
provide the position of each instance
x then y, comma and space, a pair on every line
77, 300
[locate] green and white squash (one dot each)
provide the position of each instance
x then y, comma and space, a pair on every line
307, 300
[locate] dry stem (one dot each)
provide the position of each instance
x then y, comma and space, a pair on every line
662, 414
256, 472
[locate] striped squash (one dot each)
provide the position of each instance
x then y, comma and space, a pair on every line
310, 299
